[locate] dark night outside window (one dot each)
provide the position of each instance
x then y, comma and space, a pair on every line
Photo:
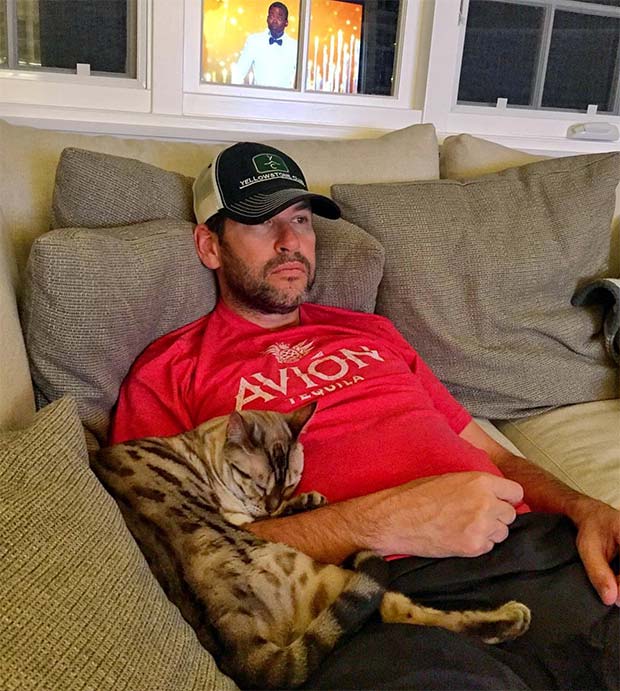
540, 56
56, 35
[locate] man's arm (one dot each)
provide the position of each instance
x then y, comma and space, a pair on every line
459, 514
598, 524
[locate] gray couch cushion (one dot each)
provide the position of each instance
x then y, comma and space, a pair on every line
80, 607
479, 275
94, 299
96, 190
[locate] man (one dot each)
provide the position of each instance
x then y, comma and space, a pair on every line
406, 470
271, 54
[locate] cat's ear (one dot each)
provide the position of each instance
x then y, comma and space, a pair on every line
237, 431
299, 418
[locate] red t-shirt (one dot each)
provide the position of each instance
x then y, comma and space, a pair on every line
382, 418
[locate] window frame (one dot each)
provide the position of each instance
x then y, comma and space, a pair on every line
85, 90
277, 106
524, 126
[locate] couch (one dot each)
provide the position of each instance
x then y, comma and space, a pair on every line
473, 249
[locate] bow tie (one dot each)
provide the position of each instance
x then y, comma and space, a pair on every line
273, 40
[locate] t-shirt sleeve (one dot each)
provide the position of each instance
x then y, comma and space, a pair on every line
456, 415
153, 398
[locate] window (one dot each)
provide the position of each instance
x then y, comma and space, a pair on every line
57, 35
328, 46
88, 54
350, 71
522, 71
554, 55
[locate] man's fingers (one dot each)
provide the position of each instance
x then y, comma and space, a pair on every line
507, 513
500, 533
508, 490
599, 572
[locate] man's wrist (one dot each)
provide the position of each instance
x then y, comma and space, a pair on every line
579, 506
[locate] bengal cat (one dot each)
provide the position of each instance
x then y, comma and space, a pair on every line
267, 612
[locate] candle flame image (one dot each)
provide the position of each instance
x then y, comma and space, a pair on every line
335, 37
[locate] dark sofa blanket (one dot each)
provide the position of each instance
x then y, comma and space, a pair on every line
573, 641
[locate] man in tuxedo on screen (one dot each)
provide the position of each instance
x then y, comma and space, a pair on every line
271, 55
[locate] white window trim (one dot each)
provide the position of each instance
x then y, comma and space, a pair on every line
47, 88
294, 109
523, 128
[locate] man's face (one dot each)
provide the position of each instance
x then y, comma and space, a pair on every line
268, 267
276, 21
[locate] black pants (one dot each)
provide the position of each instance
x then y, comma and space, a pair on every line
573, 641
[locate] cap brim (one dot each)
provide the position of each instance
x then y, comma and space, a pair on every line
261, 207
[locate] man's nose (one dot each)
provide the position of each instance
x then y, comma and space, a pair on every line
287, 240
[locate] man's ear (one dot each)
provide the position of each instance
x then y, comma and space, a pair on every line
207, 246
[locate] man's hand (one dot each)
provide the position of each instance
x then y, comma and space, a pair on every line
598, 524
598, 541
459, 514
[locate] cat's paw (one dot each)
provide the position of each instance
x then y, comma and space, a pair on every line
312, 500
513, 620
302, 502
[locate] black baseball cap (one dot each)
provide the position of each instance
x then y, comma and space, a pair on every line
253, 182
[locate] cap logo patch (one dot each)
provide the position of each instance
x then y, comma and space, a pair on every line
269, 163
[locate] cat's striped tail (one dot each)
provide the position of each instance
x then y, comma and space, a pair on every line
273, 666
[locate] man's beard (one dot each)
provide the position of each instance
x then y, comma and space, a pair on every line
254, 292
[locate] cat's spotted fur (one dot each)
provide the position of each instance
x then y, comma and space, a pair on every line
267, 612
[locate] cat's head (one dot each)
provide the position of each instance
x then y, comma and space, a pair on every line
263, 459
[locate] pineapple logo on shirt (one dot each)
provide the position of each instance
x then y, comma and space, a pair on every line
284, 353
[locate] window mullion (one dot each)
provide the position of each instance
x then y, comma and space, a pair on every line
11, 34
543, 57
304, 38
615, 106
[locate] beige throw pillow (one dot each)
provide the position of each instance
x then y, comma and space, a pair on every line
80, 607
464, 156
479, 276
411, 153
